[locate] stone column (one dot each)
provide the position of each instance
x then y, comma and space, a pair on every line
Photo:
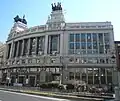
61, 43
93, 75
104, 43
18, 49
105, 76
7, 51
86, 42
23, 44
74, 75
92, 41
99, 76
11, 49
36, 45
29, 44
87, 76
46, 44
58, 46
98, 43
80, 76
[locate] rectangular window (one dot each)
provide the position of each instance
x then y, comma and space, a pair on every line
106, 36
15, 49
71, 37
77, 76
26, 47
83, 39
90, 76
107, 41
94, 35
54, 47
20, 48
77, 45
83, 45
89, 45
77, 37
88, 37
41, 43
54, 43
95, 45
96, 76
101, 49
71, 75
71, 45
100, 35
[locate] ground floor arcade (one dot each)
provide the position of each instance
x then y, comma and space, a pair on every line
34, 76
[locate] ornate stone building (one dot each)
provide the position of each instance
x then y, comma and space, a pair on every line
60, 51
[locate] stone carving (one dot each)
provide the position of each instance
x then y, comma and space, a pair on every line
23, 20
56, 7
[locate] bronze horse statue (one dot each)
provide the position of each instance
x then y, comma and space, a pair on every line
56, 7
17, 18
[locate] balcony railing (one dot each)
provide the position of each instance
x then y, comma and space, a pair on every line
56, 61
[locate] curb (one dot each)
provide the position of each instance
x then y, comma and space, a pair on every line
54, 95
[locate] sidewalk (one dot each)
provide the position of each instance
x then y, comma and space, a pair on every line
36, 91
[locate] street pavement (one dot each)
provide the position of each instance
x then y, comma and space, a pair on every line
13, 96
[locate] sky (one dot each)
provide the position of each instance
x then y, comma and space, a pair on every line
37, 11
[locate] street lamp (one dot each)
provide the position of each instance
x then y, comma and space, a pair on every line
62, 61
61, 72
9, 81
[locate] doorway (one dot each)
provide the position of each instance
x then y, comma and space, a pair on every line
13, 79
21, 79
32, 81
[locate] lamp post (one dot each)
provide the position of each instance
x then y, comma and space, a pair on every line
61, 72
8, 81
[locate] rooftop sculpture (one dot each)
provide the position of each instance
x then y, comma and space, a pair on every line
23, 20
56, 7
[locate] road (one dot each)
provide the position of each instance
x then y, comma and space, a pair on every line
13, 96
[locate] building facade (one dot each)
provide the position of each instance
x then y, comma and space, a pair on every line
60, 51
2, 58
117, 70
117, 48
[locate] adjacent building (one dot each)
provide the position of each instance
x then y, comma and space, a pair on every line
117, 70
2, 58
60, 51
117, 48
